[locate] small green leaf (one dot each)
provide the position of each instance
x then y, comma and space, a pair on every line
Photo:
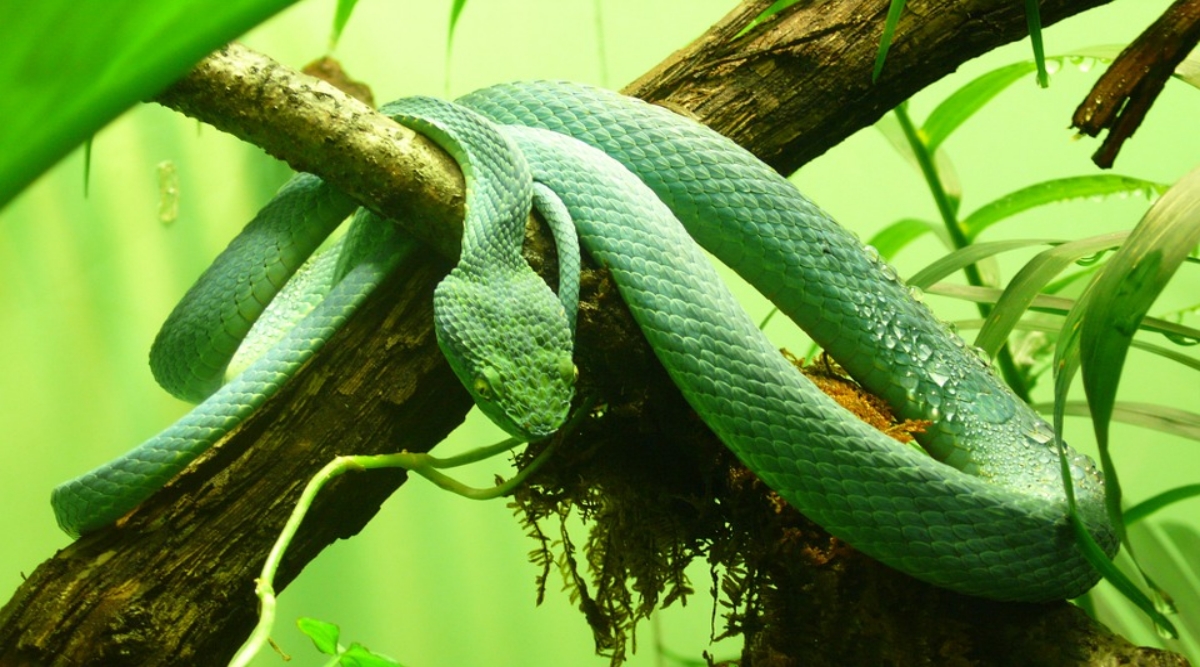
1057, 190
775, 8
324, 635
885, 42
892, 239
360, 656
341, 17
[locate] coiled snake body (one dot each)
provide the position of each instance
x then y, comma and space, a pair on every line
985, 515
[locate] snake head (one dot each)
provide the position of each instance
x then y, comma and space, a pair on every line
509, 343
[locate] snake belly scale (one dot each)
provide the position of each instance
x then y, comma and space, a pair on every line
985, 515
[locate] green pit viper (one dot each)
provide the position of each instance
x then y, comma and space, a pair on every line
984, 513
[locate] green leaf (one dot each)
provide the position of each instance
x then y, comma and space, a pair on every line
455, 12
1161, 418
1056, 305
885, 42
1028, 283
341, 17
892, 239
1117, 578
71, 67
1151, 505
775, 8
1122, 293
1033, 18
1057, 190
324, 635
955, 261
360, 656
1066, 364
964, 102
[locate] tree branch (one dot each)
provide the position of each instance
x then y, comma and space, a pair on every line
172, 582
1126, 90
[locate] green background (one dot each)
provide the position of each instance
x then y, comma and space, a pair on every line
438, 580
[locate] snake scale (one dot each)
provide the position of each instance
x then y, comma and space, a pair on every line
984, 513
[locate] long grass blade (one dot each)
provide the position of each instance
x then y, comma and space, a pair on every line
955, 261
1168, 353
1125, 289
964, 102
1058, 190
1059, 306
1151, 505
885, 42
772, 10
1182, 423
1029, 282
1033, 18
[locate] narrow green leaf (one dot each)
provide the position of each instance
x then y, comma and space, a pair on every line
324, 635
1085, 273
1058, 190
109, 56
1033, 18
1057, 305
775, 8
964, 102
885, 42
955, 261
1124, 291
341, 17
1028, 283
456, 10
1153, 504
1117, 578
1168, 353
1161, 418
892, 239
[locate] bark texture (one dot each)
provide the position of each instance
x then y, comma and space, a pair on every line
1125, 92
172, 582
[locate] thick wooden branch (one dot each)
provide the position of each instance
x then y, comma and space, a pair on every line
172, 582
1127, 89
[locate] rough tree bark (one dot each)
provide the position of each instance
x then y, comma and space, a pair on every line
172, 582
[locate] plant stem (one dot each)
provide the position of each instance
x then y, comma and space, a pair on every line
925, 160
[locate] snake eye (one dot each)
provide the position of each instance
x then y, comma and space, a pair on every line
487, 384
